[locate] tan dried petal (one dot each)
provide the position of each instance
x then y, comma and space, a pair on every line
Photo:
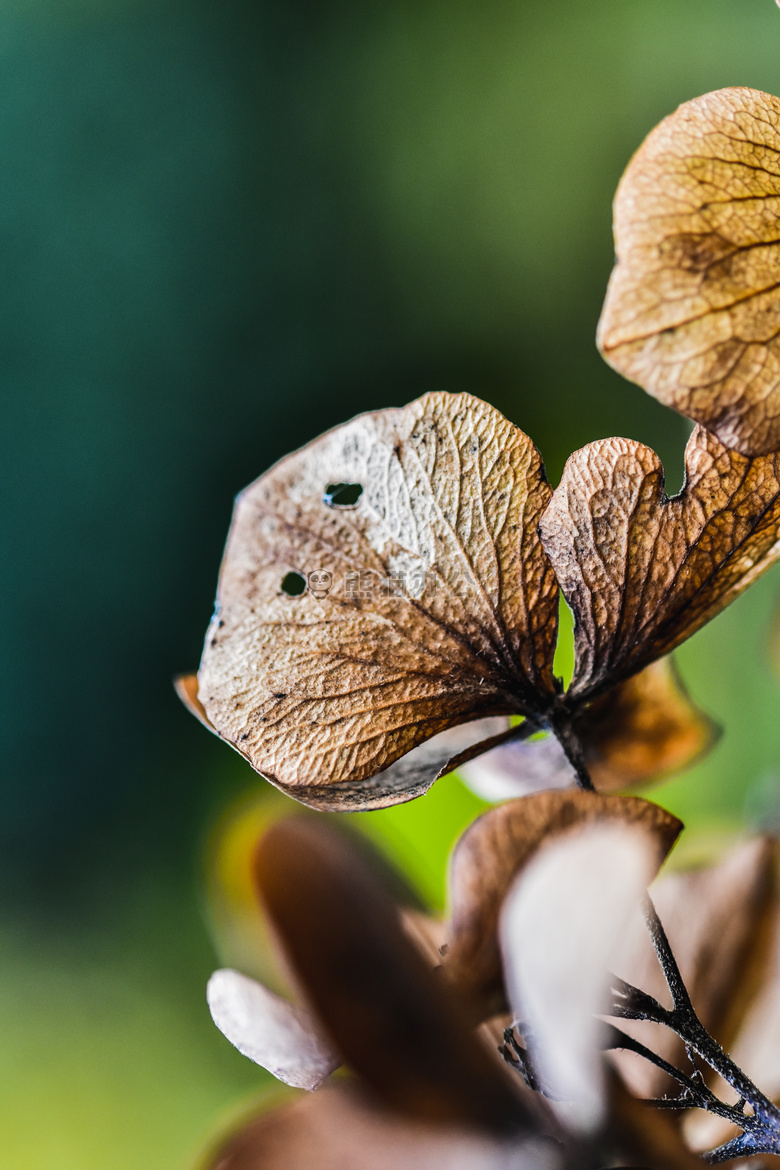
641, 571
434, 605
494, 849
692, 311
341, 1128
518, 768
645, 729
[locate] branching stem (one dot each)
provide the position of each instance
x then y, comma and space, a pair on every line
760, 1126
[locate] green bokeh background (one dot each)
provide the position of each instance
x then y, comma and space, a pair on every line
225, 226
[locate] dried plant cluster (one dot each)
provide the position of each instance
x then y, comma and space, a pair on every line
388, 611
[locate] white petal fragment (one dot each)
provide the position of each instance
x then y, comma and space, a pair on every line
562, 929
518, 768
271, 1031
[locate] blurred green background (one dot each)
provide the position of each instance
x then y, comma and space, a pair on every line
226, 226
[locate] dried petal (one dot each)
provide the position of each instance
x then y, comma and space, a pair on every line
756, 990
561, 930
644, 729
343, 1129
395, 1022
271, 1031
518, 768
430, 601
186, 687
643, 572
692, 312
493, 850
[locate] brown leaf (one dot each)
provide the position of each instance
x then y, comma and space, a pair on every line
643, 572
645, 729
492, 852
342, 1128
717, 922
395, 1022
435, 603
692, 311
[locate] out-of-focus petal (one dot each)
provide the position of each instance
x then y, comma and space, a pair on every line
518, 768
492, 852
396, 1023
643, 730
271, 1031
561, 929
343, 1129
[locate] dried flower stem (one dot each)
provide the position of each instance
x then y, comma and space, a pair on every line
569, 741
761, 1126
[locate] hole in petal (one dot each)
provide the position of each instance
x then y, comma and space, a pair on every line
342, 495
293, 584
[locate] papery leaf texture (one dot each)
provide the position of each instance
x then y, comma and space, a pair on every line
692, 312
641, 571
347, 633
496, 847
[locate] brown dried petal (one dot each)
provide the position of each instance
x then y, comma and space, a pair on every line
323, 692
494, 849
692, 311
645, 729
391, 1017
342, 1128
643, 572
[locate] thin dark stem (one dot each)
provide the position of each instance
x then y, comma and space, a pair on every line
761, 1126
696, 1093
681, 1001
561, 728
684, 1021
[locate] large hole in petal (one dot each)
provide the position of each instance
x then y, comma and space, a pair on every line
293, 584
342, 495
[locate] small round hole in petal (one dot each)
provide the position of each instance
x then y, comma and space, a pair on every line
342, 495
293, 584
